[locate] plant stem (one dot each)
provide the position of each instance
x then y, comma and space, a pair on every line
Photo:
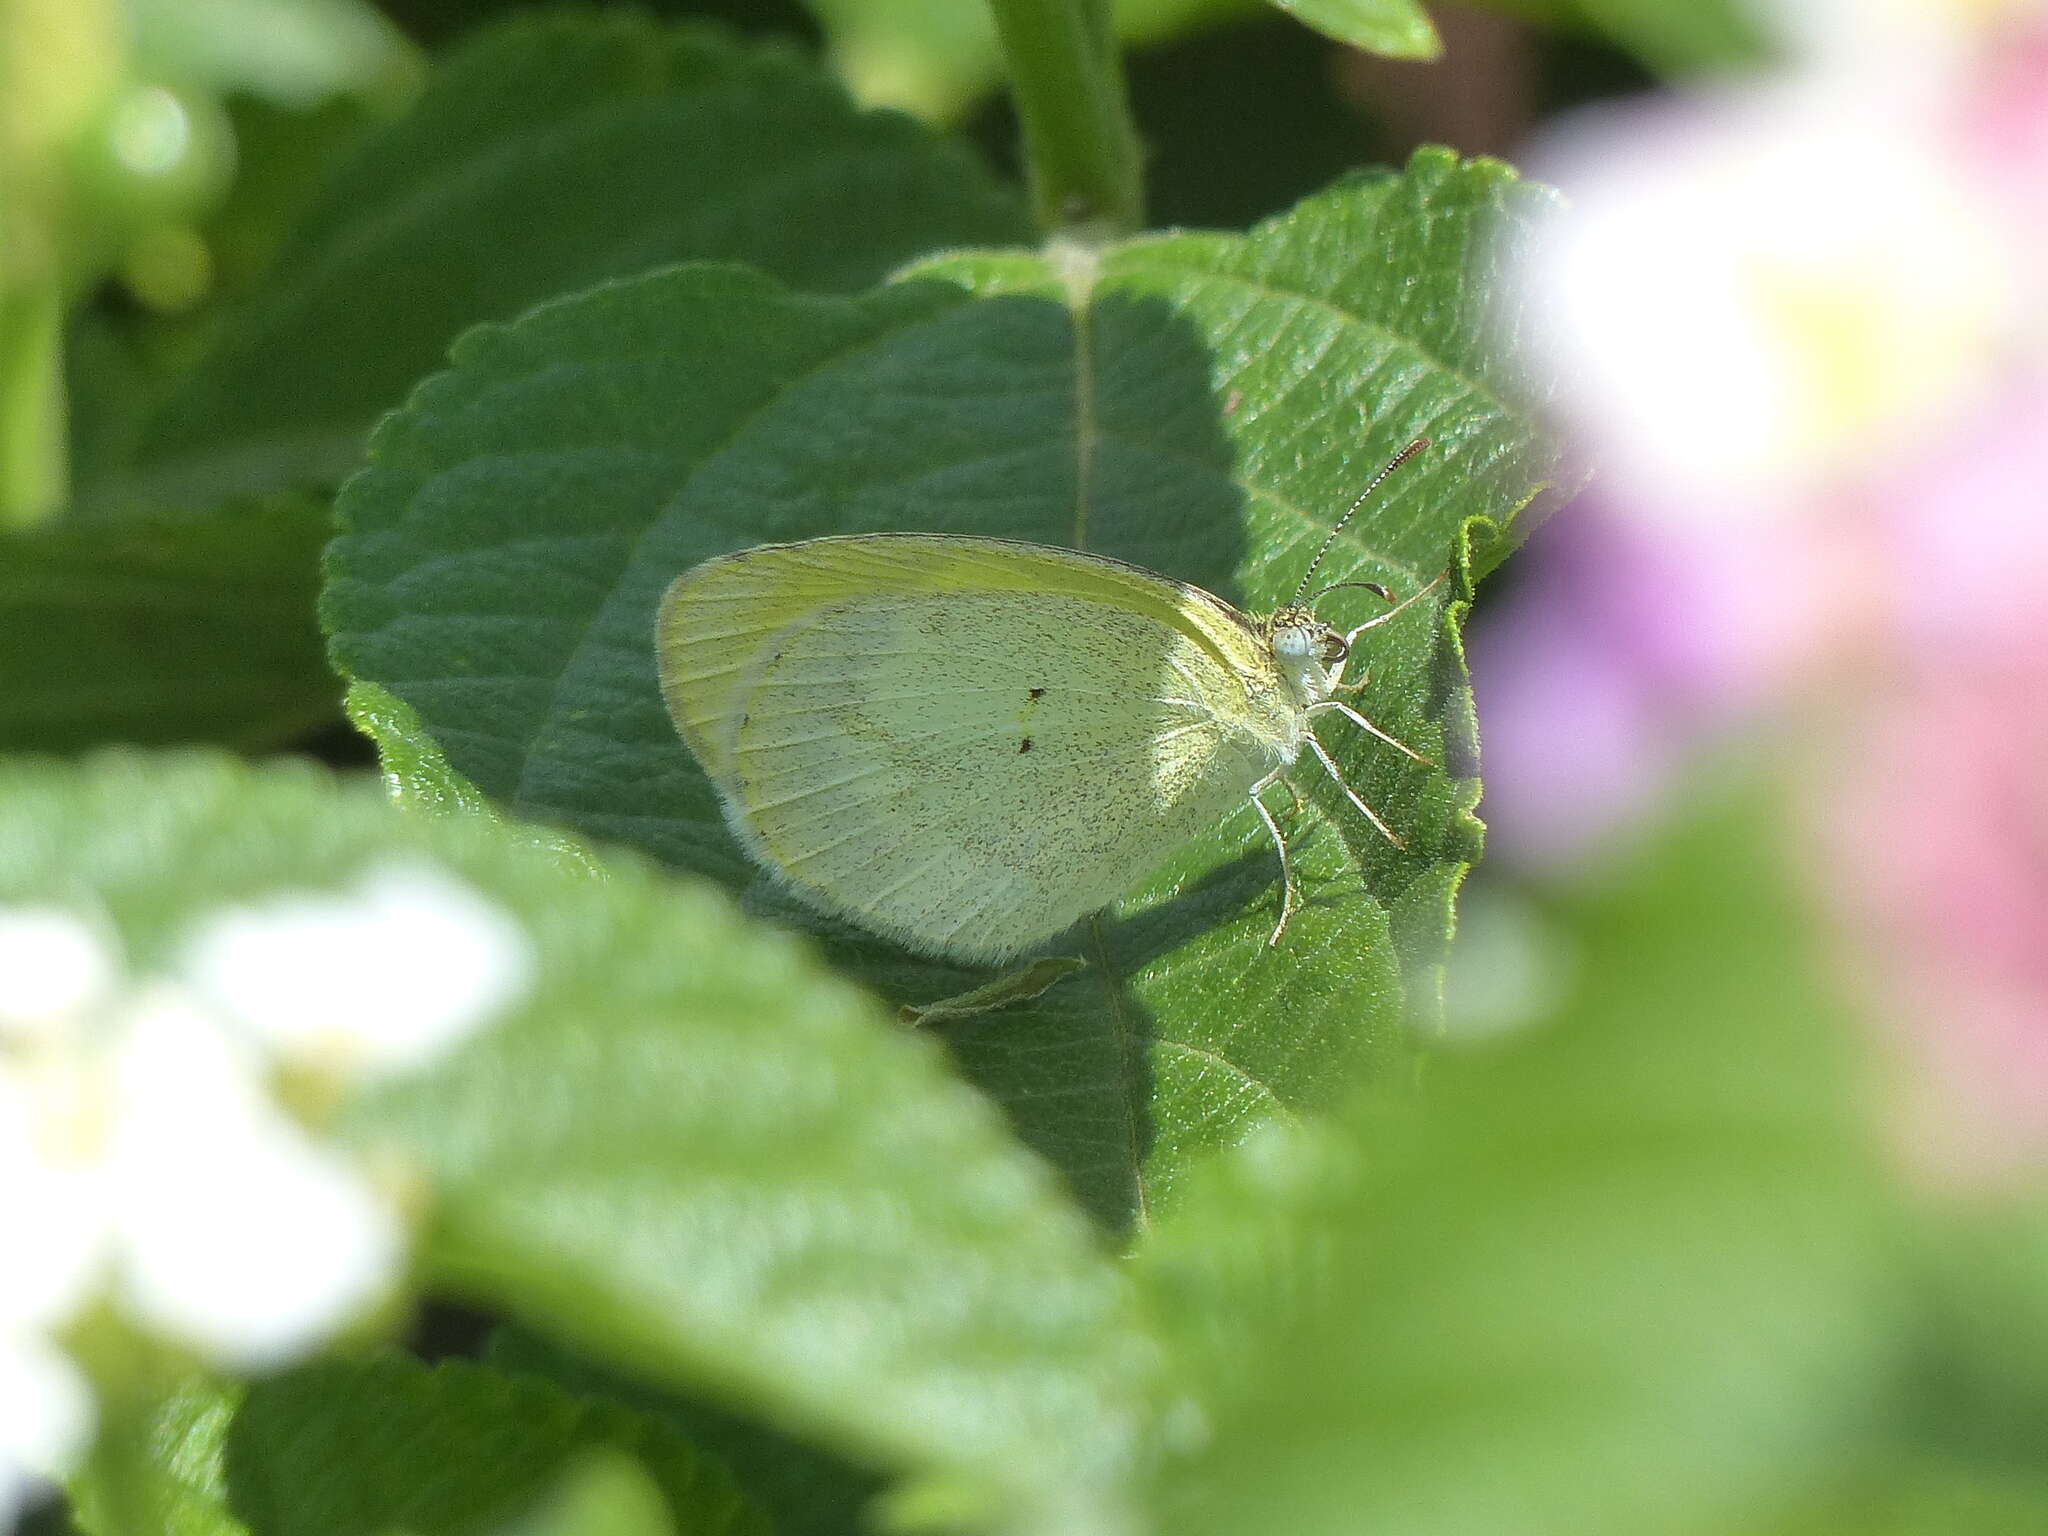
1078, 137
33, 476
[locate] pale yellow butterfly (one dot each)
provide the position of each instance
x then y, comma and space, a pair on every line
966, 744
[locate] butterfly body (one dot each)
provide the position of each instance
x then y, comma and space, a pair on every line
966, 744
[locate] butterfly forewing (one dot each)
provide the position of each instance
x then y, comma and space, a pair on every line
965, 744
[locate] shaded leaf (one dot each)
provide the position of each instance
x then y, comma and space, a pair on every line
806, 1490
164, 629
1208, 412
1702, 37
937, 57
448, 1450
550, 153
1966, 1443
388, 1444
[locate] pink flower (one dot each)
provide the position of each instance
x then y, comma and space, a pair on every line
1597, 678
1936, 857
1964, 532
1934, 808
1803, 329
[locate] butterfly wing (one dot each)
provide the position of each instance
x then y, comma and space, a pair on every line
965, 744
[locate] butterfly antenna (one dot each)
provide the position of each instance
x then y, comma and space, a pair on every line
1393, 464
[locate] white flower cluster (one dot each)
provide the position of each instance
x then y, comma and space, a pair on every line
145, 1160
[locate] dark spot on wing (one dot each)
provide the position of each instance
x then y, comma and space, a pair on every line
1037, 693
1024, 745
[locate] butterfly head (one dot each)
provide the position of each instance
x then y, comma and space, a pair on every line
1305, 649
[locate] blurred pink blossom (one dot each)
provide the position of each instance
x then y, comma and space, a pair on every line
1591, 695
1803, 327
1938, 840
1934, 810
2002, 121
1966, 530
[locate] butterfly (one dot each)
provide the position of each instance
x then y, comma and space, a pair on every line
966, 744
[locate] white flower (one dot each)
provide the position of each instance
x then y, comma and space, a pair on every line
1761, 293
144, 1157
146, 1152
1914, 47
45, 1418
48, 1245
52, 968
230, 1229
49, 1198
381, 980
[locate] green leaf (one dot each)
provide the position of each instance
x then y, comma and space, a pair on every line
1703, 37
1208, 411
415, 770
1967, 1424
604, 1494
937, 57
164, 629
550, 153
1399, 29
1251, 1244
1677, 41
1907, 1492
389, 1444
1957, 1449
162, 1472
449, 1450
693, 1151
1634, 1270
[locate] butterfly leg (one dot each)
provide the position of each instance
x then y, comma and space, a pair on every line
1397, 610
1287, 896
1293, 794
1327, 705
1351, 636
1018, 986
1330, 763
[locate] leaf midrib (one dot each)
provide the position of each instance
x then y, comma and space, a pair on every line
1079, 287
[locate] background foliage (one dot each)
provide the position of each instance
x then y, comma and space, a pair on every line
404, 376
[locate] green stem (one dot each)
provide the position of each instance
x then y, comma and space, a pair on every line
1078, 135
34, 479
